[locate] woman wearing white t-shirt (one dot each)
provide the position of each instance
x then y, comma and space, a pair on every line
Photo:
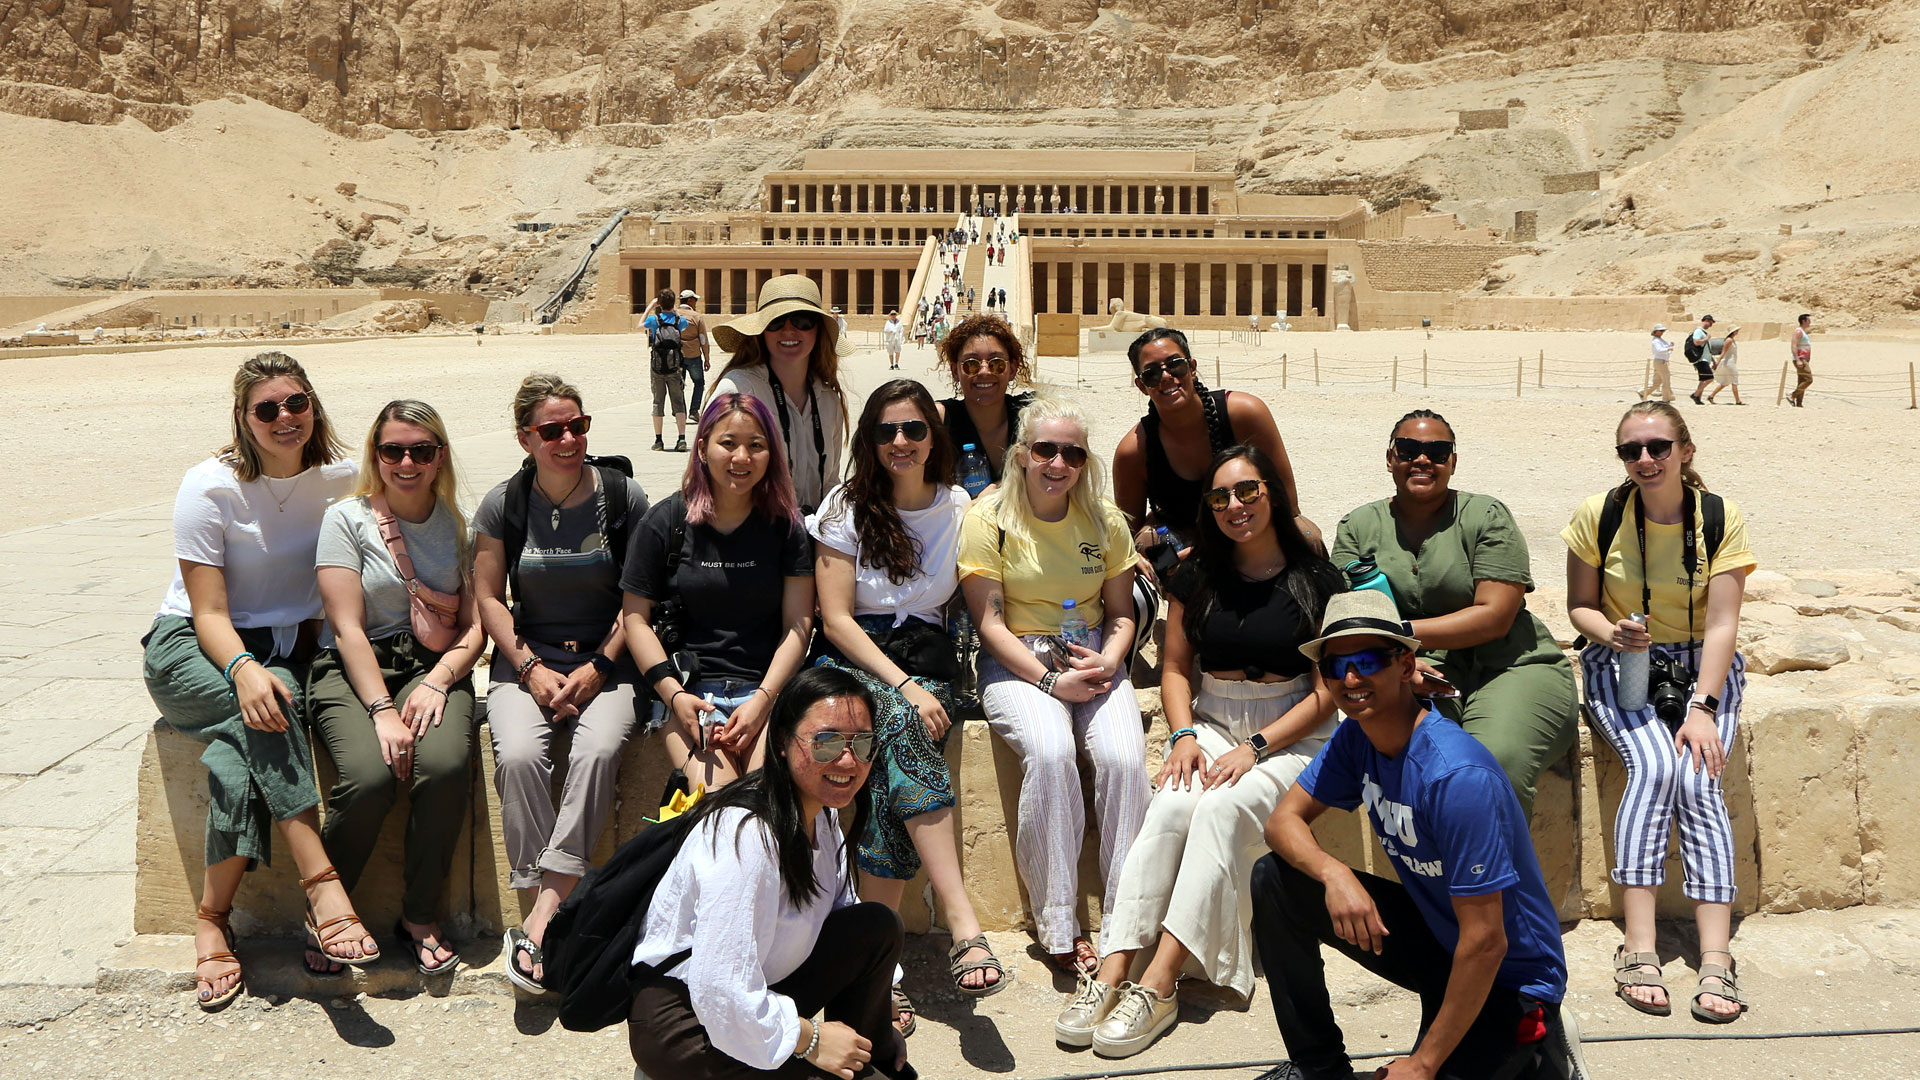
885, 552
228, 653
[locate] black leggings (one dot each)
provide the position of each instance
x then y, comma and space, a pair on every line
1290, 922
849, 974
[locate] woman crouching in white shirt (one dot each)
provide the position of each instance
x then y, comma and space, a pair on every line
755, 929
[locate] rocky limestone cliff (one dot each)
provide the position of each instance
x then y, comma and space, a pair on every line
556, 66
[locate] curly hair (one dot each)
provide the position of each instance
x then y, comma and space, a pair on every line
993, 326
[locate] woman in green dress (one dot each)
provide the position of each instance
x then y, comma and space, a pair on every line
1459, 571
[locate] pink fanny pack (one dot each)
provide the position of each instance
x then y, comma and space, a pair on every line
435, 614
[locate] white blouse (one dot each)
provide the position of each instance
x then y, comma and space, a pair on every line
723, 899
937, 529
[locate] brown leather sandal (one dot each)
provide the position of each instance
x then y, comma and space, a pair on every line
334, 929
215, 1004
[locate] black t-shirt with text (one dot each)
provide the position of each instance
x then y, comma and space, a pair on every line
730, 584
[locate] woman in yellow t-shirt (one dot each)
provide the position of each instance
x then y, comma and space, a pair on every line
1662, 564
1046, 559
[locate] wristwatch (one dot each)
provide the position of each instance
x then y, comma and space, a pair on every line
601, 662
1259, 744
1712, 703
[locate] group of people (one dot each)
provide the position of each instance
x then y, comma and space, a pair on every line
1717, 362
786, 621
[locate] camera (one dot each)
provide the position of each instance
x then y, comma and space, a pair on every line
1669, 685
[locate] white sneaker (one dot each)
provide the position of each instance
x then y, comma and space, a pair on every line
1140, 1017
1090, 1004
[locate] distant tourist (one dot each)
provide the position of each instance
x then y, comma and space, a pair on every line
1469, 926
392, 694
1661, 376
1678, 558
895, 336
665, 332
694, 354
226, 659
1698, 350
787, 352
1726, 370
1800, 348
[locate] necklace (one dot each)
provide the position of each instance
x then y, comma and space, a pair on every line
1277, 566
555, 519
276, 495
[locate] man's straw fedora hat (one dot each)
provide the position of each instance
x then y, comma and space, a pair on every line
779, 296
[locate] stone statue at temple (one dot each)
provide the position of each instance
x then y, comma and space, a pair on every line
1130, 321
1159, 201
1340, 284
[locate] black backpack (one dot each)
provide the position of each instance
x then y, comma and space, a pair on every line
614, 470
1693, 349
1713, 525
589, 943
666, 343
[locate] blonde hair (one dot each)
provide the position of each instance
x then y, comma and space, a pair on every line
323, 447
445, 484
536, 388
1682, 436
1087, 494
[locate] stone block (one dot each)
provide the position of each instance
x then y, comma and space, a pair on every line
1888, 733
1804, 773
1556, 835
1563, 183
1810, 650
1609, 784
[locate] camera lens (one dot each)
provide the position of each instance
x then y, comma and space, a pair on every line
1667, 690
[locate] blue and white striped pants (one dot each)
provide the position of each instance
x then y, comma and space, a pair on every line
1661, 784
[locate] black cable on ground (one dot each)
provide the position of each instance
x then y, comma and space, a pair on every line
1585, 1040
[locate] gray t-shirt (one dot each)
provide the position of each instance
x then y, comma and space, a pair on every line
569, 582
349, 538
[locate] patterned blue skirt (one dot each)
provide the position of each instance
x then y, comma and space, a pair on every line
909, 775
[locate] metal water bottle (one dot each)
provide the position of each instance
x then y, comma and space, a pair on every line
1631, 692
1364, 573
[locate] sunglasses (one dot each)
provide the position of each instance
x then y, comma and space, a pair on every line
1436, 451
1630, 451
395, 453
799, 320
829, 745
914, 430
1247, 491
268, 411
1364, 663
995, 365
1177, 367
551, 432
1043, 452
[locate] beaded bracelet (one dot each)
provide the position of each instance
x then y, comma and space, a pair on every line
1178, 735
527, 666
436, 689
812, 1045
237, 660
379, 706
1045, 682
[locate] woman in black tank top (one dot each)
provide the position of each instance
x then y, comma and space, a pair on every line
984, 413
1159, 466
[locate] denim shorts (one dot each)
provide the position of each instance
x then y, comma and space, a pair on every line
725, 694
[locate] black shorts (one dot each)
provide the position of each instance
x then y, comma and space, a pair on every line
1704, 369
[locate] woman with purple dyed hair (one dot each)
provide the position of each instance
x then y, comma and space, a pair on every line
719, 593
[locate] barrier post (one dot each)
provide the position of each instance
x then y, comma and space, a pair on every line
1423, 369
1519, 374
1781, 395
1913, 396
1316, 369
1540, 374
1283, 371
1217, 380
1646, 380
1396, 375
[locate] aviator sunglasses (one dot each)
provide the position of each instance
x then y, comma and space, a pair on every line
995, 365
268, 411
1177, 367
914, 430
799, 320
1365, 663
1630, 451
1437, 451
551, 432
828, 746
1247, 491
1043, 452
395, 453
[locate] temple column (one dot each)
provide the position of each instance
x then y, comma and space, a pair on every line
1180, 289
1206, 288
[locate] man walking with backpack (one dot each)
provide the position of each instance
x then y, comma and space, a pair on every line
1698, 350
665, 332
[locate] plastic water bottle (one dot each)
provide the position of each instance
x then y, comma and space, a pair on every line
1073, 628
1364, 573
1631, 694
975, 474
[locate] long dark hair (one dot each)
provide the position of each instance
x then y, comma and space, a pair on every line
885, 543
770, 794
1308, 577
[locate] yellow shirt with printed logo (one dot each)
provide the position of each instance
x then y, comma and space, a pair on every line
1069, 559
1621, 574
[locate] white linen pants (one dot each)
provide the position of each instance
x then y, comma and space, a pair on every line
1190, 870
1048, 735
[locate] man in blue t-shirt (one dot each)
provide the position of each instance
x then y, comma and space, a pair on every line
1471, 929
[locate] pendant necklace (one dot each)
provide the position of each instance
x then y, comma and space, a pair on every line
276, 497
555, 519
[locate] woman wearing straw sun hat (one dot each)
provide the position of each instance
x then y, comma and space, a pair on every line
786, 352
